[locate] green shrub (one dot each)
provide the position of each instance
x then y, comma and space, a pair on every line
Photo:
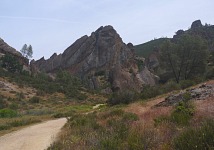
122, 98
11, 63
7, 113
196, 138
151, 91
38, 112
186, 83
170, 86
182, 114
4, 127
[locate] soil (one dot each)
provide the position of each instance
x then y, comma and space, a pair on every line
36, 137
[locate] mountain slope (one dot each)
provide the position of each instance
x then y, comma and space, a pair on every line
145, 49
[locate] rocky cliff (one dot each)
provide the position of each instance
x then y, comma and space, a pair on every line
6, 49
101, 59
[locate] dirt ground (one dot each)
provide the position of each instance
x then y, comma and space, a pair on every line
36, 137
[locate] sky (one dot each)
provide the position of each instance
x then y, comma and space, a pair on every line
51, 26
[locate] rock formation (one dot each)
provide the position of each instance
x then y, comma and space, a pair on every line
101, 59
6, 49
196, 24
198, 93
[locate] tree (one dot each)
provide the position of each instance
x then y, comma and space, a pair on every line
185, 58
27, 51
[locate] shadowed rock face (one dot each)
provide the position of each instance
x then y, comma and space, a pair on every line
103, 53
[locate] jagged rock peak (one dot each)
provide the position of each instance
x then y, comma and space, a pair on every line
103, 52
196, 24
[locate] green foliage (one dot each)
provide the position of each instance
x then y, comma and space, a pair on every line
196, 138
69, 85
144, 50
150, 92
27, 51
11, 63
64, 83
153, 91
186, 83
122, 98
180, 116
185, 58
182, 113
38, 112
7, 113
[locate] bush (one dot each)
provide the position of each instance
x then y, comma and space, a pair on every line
196, 138
34, 99
183, 113
180, 116
11, 63
186, 83
122, 98
7, 113
151, 91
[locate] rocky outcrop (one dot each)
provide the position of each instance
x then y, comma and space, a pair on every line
152, 61
199, 93
98, 59
6, 49
196, 24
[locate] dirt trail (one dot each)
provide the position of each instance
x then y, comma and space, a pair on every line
36, 137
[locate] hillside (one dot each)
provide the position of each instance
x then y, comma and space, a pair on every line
205, 31
145, 125
145, 49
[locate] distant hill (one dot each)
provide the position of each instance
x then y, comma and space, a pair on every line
145, 49
204, 31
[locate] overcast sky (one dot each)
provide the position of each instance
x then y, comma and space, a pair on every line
53, 25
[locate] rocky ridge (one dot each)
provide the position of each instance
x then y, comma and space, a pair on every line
102, 60
6, 49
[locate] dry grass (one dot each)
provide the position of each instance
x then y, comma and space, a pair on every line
147, 112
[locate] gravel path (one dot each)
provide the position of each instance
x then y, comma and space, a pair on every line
36, 137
